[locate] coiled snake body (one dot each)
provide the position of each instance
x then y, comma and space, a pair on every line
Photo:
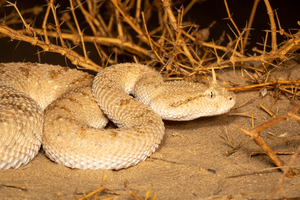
64, 110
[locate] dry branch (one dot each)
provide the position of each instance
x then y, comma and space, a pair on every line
255, 135
75, 58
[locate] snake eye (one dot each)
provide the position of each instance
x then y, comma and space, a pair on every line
211, 94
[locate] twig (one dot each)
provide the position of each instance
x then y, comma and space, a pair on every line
130, 22
254, 134
107, 41
273, 25
57, 25
44, 26
278, 186
75, 58
250, 22
78, 29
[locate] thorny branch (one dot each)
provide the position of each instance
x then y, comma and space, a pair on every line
255, 135
72, 55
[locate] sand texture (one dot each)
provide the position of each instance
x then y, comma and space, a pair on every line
191, 162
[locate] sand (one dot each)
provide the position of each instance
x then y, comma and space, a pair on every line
190, 163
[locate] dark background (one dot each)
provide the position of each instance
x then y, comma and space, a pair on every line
203, 14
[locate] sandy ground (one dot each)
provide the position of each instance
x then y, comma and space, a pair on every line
191, 162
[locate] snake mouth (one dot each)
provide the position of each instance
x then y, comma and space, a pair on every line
185, 101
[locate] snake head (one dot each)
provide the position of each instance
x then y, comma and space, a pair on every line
183, 101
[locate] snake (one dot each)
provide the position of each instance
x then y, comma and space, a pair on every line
65, 111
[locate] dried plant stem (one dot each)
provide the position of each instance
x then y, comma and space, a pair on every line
212, 45
75, 58
44, 26
138, 10
278, 185
130, 22
239, 33
101, 188
57, 25
175, 51
87, 16
260, 142
119, 25
273, 25
250, 22
255, 135
107, 41
150, 42
260, 86
176, 27
78, 29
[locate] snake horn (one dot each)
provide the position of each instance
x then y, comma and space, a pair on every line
213, 75
214, 82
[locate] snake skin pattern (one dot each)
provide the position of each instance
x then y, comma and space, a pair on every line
65, 110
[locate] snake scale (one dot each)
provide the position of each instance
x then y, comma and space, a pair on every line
64, 110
